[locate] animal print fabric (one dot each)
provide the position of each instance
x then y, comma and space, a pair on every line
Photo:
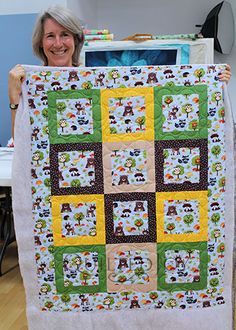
128, 186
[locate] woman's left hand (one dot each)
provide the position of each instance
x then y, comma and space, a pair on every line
226, 74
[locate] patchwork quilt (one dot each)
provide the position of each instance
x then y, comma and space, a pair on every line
127, 189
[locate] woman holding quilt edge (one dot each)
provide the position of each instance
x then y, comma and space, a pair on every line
57, 40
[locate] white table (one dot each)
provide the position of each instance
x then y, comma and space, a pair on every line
6, 157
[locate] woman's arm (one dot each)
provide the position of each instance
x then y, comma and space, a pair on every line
15, 79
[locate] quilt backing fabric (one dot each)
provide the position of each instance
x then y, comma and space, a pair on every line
128, 187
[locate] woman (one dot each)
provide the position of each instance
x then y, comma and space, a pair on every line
57, 40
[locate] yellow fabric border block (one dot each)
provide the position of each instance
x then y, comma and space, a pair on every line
202, 235
78, 240
148, 93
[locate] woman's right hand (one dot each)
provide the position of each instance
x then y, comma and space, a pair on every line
15, 79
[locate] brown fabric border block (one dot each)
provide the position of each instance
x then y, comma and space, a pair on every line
97, 188
185, 186
111, 238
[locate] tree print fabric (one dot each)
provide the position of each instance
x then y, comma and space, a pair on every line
128, 187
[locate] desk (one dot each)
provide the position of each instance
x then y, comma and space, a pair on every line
6, 156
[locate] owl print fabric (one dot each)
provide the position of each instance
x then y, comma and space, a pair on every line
128, 187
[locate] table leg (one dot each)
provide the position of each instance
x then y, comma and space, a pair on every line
7, 223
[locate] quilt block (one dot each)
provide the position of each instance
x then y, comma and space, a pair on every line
128, 187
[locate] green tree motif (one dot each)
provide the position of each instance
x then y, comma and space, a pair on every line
165, 153
122, 278
51, 249
141, 121
138, 223
77, 262
65, 298
193, 125
215, 234
170, 227
37, 156
52, 264
125, 294
214, 282
199, 73
45, 130
178, 170
40, 224
113, 130
45, 113
48, 200
64, 158
189, 251
153, 295
61, 107
196, 161
221, 249
120, 101
215, 218
113, 75
168, 100
130, 163
217, 167
216, 97
209, 123
216, 150
47, 183
221, 114
46, 287
48, 304
75, 183
79, 217
108, 301
188, 219
62, 123
210, 291
139, 271
171, 303
85, 276
187, 108
87, 85
169, 83
45, 74
222, 184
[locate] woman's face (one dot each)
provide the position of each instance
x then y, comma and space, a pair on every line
58, 44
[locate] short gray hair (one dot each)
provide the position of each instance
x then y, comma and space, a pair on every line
64, 17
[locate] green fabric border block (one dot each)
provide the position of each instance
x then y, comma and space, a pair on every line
162, 285
74, 94
59, 276
160, 91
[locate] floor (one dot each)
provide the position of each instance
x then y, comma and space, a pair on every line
12, 296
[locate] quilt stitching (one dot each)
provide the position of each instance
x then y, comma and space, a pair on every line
128, 184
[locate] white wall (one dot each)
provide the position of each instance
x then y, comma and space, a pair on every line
87, 11
26, 6
126, 17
